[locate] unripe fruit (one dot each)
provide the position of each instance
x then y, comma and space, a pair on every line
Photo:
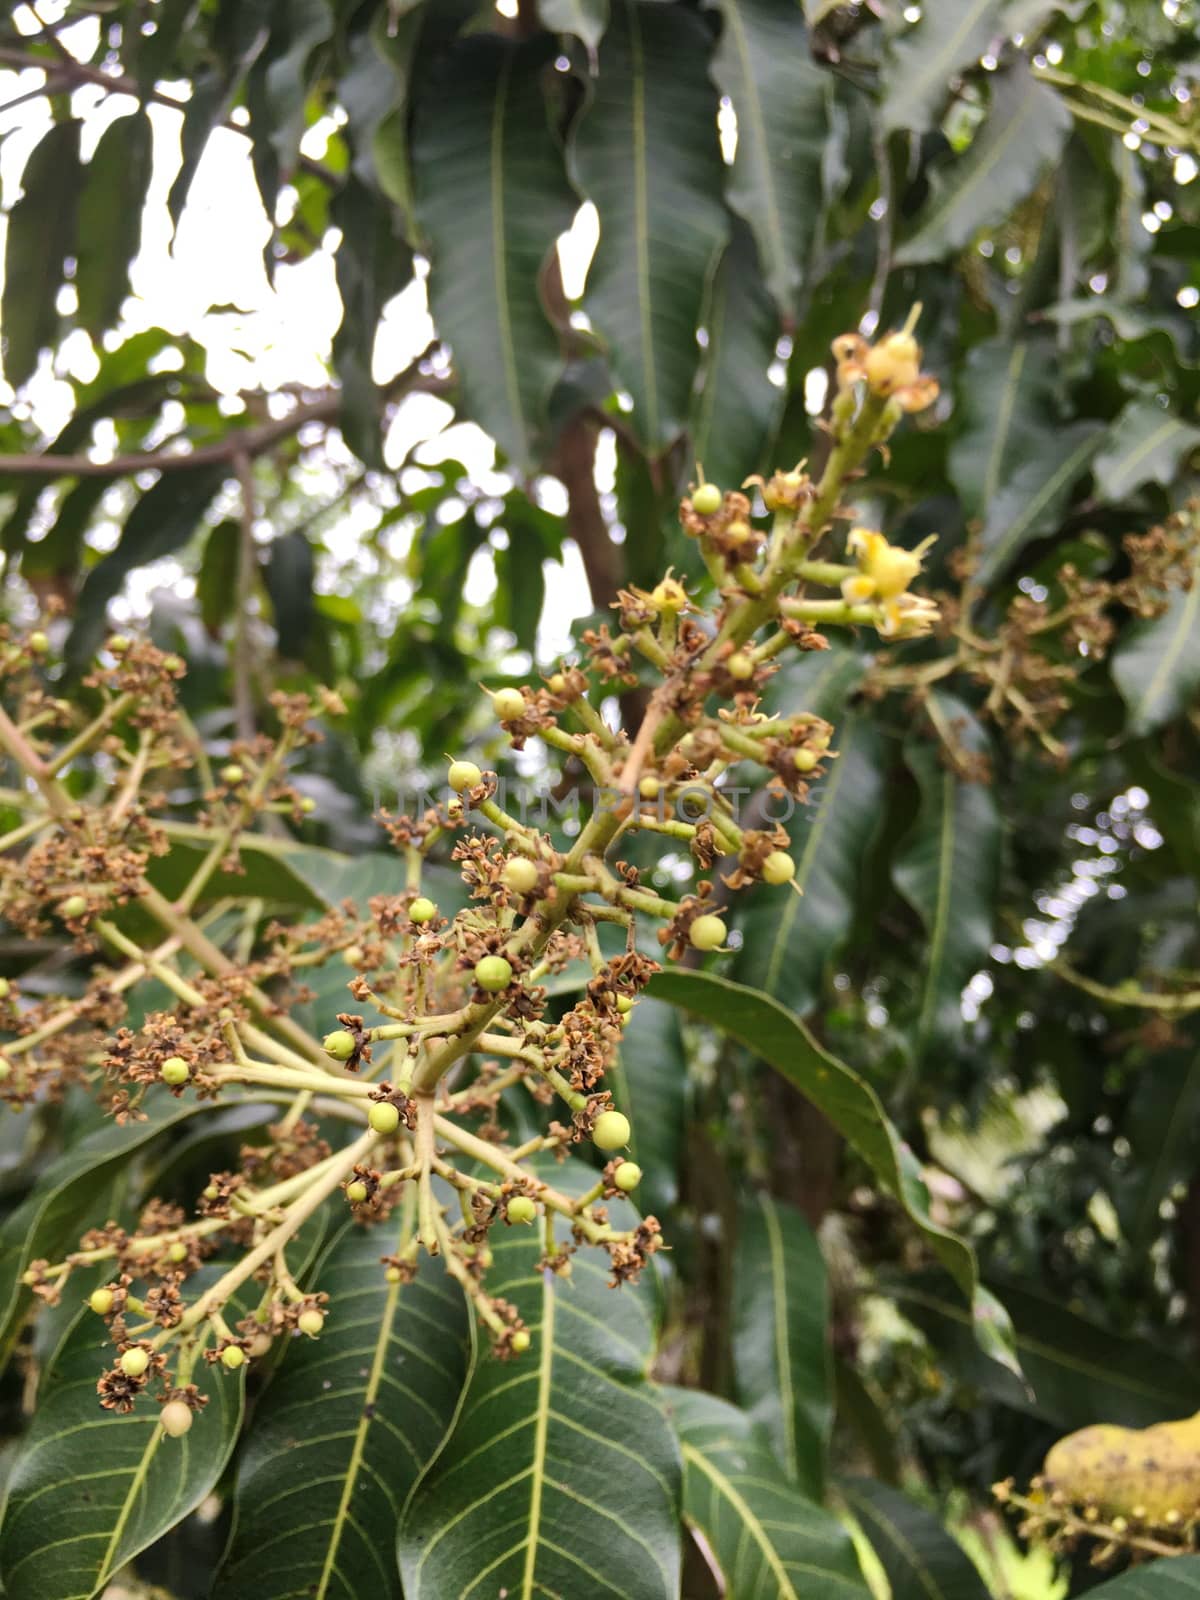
649, 787
233, 1357
353, 956
707, 932
134, 1362
627, 1176
177, 1252
101, 1301
173, 664
778, 867
740, 665
805, 760
174, 1071
519, 1342
209, 1192
521, 1209
39, 643
422, 910
72, 907
520, 874
233, 773
707, 499
508, 704
624, 1004
5, 1068
339, 1044
356, 1192
556, 683
311, 1322
307, 804
384, 1117
463, 775
4, 988
611, 1131
118, 644
260, 1344
493, 973
176, 1418
393, 1275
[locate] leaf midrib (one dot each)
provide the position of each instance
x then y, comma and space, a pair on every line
753, 103
937, 942
537, 1480
724, 1486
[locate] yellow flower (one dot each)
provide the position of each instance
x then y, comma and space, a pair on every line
857, 589
890, 567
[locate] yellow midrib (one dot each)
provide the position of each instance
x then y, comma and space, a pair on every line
139, 1477
782, 1357
537, 1476
786, 1590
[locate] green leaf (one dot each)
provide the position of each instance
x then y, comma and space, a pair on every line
781, 1354
1026, 127
1032, 499
921, 1560
90, 1489
289, 580
304, 24
645, 151
1163, 1580
162, 522
586, 19
770, 1031
764, 65
923, 61
770, 1542
947, 868
650, 1082
1007, 399
110, 219
1156, 665
736, 408
1164, 1115
217, 578
561, 1476
347, 1425
790, 938
491, 197
41, 234
1145, 443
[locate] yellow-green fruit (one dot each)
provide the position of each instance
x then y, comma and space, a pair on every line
519, 1342
233, 1357
493, 973
649, 787
177, 1252
5, 1068
356, 1192
384, 1117
508, 704
557, 683
176, 1418
260, 1344
520, 874
232, 774
422, 910
73, 906
5, 986
707, 499
393, 1275
741, 665
805, 760
707, 932
624, 1004
174, 664
627, 1176
134, 1362
611, 1130
1153, 1470
339, 1044
520, 1209
39, 643
118, 644
778, 867
307, 804
352, 955
463, 775
174, 1071
311, 1322
101, 1301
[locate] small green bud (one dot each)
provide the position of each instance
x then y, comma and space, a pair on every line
118, 644
384, 1117
493, 973
339, 1044
174, 1071
557, 683
232, 774
707, 499
307, 804
73, 907
649, 787
577, 1102
612, 1130
520, 1209
393, 1275
174, 664
422, 910
624, 1004
177, 1252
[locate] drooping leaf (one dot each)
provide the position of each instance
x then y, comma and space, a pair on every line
1162, 1580
1156, 665
110, 219
1031, 501
650, 1084
217, 577
948, 870
346, 1427
781, 1355
789, 938
764, 65
1164, 1114
492, 197
561, 1475
586, 19
306, 24
645, 152
770, 1541
852, 1106
1145, 443
59, 552
1008, 405
289, 580
736, 408
921, 1560
41, 234
1026, 127
923, 61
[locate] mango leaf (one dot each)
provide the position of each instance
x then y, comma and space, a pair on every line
110, 219
736, 408
41, 234
1162, 1125
289, 580
1007, 400
789, 938
645, 151
1032, 499
346, 1427
764, 65
1145, 444
1162, 1580
491, 198
852, 1106
297, 30
649, 1082
923, 60
770, 1542
947, 868
217, 577
89, 1489
921, 1560
1026, 127
1156, 665
561, 1475
586, 19
781, 1354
